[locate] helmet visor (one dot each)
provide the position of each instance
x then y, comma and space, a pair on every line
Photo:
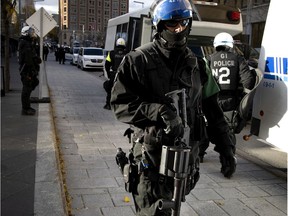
174, 23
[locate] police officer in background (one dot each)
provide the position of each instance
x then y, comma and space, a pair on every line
138, 98
112, 62
231, 71
29, 67
61, 54
232, 74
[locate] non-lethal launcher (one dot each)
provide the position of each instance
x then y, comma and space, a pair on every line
175, 159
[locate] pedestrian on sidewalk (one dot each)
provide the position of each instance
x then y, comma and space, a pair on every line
29, 67
112, 62
138, 98
45, 52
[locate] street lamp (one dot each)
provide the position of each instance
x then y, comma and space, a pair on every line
140, 2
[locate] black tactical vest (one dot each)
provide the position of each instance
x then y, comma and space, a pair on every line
224, 67
186, 75
117, 55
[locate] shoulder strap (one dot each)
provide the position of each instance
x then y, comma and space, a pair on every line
210, 87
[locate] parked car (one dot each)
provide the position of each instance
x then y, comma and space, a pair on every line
90, 57
72, 55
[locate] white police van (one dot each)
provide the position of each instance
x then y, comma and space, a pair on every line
209, 19
270, 117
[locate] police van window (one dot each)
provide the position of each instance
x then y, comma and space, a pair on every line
197, 50
201, 45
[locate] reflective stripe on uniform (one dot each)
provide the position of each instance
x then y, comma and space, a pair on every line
108, 57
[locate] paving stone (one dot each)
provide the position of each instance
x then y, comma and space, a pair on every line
103, 172
83, 191
76, 173
274, 189
262, 174
91, 183
87, 212
229, 193
262, 207
204, 208
77, 201
205, 194
118, 199
279, 202
117, 211
97, 200
253, 191
235, 207
187, 210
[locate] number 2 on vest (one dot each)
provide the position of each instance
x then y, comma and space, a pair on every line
222, 75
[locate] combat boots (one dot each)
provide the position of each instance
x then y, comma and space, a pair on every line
29, 111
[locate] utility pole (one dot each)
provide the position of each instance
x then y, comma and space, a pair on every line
248, 29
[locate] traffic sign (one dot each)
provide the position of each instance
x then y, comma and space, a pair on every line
48, 23
42, 23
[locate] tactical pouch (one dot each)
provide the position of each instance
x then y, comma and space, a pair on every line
34, 82
130, 173
192, 178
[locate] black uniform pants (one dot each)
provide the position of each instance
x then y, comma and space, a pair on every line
218, 129
108, 86
29, 84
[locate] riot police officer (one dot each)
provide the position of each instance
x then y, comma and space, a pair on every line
29, 67
233, 76
138, 98
231, 71
112, 62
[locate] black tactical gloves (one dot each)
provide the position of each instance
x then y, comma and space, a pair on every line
228, 162
173, 122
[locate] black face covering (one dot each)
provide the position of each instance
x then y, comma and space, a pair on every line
174, 41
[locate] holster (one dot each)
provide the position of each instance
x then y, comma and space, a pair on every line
193, 177
130, 174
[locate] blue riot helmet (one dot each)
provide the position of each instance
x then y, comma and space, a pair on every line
164, 10
169, 12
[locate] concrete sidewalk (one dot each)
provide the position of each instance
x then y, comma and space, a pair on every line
89, 135
30, 180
